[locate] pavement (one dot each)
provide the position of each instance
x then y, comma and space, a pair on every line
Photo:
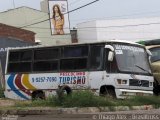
75, 110
153, 114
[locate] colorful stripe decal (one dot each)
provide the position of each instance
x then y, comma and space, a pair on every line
25, 81
10, 82
18, 83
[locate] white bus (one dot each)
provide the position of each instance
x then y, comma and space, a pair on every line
116, 68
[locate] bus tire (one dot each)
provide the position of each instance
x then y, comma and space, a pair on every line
38, 95
62, 89
156, 88
108, 91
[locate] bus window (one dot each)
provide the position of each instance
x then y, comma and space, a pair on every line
14, 56
96, 54
46, 59
20, 61
73, 64
19, 67
46, 54
26, 56
74, 58
155, 54
45, 66
80, 51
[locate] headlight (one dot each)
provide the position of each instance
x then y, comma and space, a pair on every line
121, 82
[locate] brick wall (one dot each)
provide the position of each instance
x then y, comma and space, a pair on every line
21, 34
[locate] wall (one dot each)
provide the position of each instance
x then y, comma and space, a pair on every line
87, 32
24, 16
9, 31
124, 29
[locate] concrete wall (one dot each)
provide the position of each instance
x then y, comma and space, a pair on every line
44, 6
87, 32
24, 16
124, 29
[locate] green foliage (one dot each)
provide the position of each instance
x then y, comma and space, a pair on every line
141, 42
2, 93
84, 99
36, 103
88, 99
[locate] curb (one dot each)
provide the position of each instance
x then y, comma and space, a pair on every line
75, 110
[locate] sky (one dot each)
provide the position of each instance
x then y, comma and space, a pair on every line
103, 9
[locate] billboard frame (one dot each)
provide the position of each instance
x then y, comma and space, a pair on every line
50, 19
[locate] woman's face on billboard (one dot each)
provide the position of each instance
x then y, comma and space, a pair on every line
56, 9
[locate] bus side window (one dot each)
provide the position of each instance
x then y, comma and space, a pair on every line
78, 51
20, 61
73, 64
96, 54
46, 59
74, 58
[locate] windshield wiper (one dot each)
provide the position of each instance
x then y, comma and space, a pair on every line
143, 69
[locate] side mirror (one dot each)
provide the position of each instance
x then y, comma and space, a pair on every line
149, 55
109, 47
149, 52
110, 56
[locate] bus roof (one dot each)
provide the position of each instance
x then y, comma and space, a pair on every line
104, 41
152, 42
153, 46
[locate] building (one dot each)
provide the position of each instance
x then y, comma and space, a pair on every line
23, 16
138, 29
13, 37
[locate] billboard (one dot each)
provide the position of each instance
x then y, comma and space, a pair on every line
59, 18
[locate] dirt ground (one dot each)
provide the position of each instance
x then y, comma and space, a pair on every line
6, 103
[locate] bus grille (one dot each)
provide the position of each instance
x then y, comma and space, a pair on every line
141, 83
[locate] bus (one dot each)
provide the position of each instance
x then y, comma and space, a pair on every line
115, 67
1, 77
155, 66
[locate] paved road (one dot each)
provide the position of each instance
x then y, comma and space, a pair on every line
123, 115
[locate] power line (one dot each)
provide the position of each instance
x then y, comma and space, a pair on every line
83, 6
64, 13
132, 14
121, 26
35, 19
124, 25
76, 1
119, 16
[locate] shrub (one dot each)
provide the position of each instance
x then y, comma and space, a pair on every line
88, 99
2, 93
84, 99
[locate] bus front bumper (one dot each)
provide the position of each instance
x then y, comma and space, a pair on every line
123, 93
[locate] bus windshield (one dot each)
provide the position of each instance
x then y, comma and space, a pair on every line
132, 59
155, 54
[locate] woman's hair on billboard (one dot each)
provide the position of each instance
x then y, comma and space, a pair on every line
59, 11
58, 20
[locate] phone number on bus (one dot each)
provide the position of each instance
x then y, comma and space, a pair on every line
44, 79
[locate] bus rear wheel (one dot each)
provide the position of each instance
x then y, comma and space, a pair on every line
38, 95
63, 90
108, 91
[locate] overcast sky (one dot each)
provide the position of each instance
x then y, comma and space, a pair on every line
103, 9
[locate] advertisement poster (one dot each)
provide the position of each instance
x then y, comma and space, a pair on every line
59, 18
